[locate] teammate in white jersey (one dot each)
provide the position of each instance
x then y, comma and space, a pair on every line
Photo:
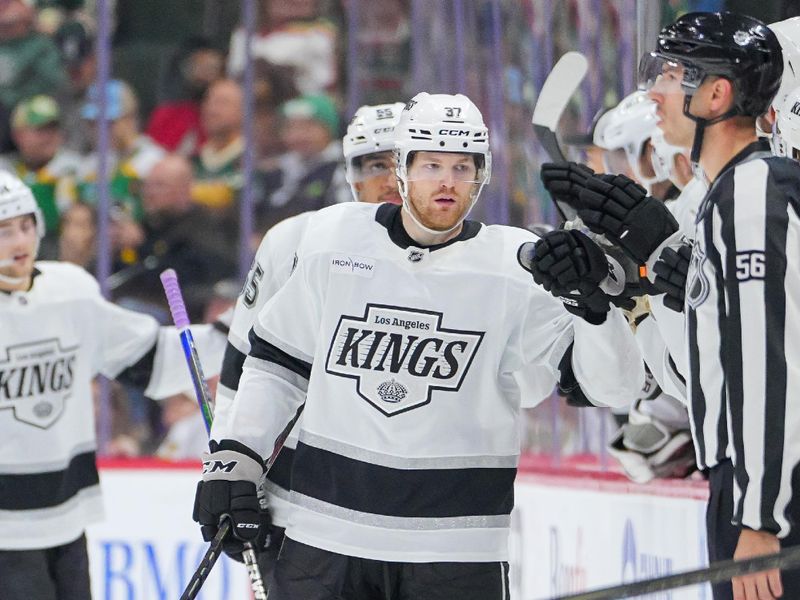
57, 333
398, 335
368, 149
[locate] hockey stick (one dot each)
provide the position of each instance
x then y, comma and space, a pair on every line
169, 279
717, 572
560, 85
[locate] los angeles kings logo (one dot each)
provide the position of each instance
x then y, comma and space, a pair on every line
400, 356
35, 380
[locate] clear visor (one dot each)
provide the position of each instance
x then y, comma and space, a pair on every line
434, 167
370, 166
660, 75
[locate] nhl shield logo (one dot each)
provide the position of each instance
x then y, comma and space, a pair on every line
399, 356
697, 285
36, 379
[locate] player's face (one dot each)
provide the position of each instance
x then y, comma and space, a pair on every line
441, 186
669, 96
18, 240
378, 182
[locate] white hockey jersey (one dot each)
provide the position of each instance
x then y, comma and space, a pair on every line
54, 339
272, 265
404, 358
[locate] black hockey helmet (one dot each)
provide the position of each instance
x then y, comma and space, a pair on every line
737, 47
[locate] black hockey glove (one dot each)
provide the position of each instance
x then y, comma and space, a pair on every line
620, 208
571, 267
671, 269
565, 180
231, 474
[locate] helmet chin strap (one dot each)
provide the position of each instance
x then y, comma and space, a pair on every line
699, 133
7, 262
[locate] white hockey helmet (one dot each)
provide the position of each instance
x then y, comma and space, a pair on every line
370, 131
788, 34
663, 156
788, 122
441, 123
627, 127
16, 200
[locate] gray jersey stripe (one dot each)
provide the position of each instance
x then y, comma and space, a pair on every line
407, 523
402, 462
301, 383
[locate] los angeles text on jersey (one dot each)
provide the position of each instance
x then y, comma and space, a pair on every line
398, 356
35, 380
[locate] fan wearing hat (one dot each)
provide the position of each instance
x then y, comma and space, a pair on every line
310, 175
42, 162
133, 154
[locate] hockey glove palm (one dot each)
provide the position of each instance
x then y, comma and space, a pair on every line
648, 447
619, 208
231, 474
565, 180
671, 271
570, 266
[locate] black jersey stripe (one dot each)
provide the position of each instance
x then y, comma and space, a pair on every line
698, 401
262, 349
730, 326
776, 228
426, 493
29, 491
280, 473
232, 363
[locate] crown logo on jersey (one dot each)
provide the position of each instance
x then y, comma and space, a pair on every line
415, 255
391, 391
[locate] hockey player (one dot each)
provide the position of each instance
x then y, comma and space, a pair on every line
368, 149
741, 287
397, 335
56, 333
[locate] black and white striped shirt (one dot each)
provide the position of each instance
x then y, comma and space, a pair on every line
743, 312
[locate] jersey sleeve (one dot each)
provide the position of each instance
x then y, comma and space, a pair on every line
125, 336
275, 374
757, 230
606, 360
273, 264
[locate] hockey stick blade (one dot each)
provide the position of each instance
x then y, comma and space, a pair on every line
172, 289
560, 85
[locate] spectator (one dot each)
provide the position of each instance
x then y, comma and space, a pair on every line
75, 42
218, 167
76, 244
43, 163
30, 62
175, 122
310, 175
132, 156
274, 85
174, 233
292, 34
186, 437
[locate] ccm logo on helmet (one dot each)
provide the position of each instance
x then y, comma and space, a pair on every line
458, 132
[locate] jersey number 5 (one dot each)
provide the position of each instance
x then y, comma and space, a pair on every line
250, 289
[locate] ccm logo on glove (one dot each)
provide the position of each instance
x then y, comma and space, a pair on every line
214, 466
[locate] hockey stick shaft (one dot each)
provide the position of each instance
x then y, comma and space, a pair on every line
169, 279
715, 573
209, 558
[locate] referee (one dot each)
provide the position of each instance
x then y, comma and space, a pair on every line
742, 295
